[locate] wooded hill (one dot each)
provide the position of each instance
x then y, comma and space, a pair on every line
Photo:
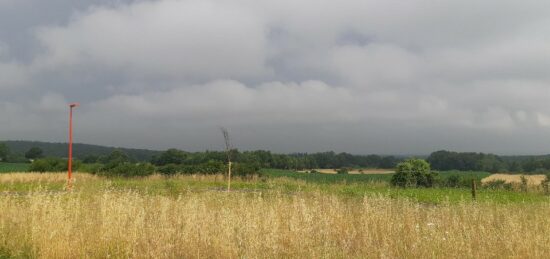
80, 150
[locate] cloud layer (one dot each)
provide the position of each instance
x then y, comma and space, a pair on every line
358, 76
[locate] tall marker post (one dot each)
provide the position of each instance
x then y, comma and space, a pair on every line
70, 165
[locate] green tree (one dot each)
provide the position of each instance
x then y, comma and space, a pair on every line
170, 156
114, 159
34, 153
414, 173
4, 152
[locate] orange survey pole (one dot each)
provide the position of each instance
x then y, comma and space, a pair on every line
70, 166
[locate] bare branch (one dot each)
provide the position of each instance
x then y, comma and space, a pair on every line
228, 147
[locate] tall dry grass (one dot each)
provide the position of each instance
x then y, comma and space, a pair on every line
258, 225
12, 178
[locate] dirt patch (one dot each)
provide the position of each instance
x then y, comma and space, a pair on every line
353, 171
515, 178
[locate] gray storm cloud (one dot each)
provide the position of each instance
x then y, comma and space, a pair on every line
357, 76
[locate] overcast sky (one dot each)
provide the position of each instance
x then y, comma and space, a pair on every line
363, 76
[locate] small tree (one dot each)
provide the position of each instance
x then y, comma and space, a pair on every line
228, 151
34, 153
414, 173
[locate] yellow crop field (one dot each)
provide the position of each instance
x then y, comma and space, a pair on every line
515, 178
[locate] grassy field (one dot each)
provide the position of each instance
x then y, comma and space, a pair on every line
270, 216
13, 167
361, 178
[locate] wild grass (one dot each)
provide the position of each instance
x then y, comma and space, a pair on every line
192, 216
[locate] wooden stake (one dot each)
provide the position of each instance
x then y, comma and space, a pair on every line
228, 149
229, 180
474, 190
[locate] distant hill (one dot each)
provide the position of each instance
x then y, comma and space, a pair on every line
79, 150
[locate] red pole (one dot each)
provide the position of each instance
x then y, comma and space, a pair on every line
70, 166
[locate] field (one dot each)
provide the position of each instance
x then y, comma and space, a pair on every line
515, 178
13, 167
353, 171
270, 216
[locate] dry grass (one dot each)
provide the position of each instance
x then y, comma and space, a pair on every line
268, 224
354, 171
515, 178
12, 178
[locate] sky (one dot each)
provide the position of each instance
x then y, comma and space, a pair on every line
357, 76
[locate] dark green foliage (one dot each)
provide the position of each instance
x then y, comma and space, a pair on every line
170, 156
446, 160
498, 185
266, 159
127, 169
116, 158
414, 173
93, 168
245, 169
211, 167
34, 153
169, 169
81, 151
4, 152
91, 159
52, 165
453, 181
325, 178
14, 167
16, 158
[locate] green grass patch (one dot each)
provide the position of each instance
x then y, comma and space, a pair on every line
280, 182
326, 178
14, 167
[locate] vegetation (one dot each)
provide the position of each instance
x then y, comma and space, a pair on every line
192, 216
469, 161
13, 167
81, 151
414, 173
4, 151
34, 153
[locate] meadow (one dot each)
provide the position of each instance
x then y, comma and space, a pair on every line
13, 167
271, 215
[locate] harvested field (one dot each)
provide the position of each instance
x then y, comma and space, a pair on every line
515, 178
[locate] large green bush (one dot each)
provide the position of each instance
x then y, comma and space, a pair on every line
414, 173
52, 165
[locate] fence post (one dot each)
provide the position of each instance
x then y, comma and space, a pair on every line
474, 189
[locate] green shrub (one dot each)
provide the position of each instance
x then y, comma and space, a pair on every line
414, 173
498, 184
245, 169
169, 169
342, 171
52, 165
93, 168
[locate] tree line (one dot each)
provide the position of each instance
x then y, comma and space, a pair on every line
173, 161
470, 161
